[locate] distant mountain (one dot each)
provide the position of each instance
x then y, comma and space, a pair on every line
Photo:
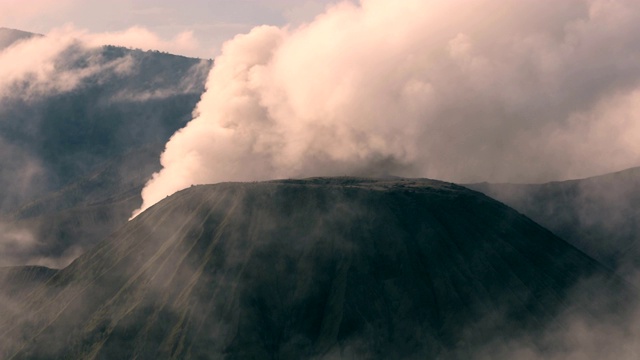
10, 36
317, 268
69, 133
73, 161
600, 215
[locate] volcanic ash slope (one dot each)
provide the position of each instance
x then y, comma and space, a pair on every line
343, 267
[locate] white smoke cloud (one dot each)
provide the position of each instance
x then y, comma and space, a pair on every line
459, 90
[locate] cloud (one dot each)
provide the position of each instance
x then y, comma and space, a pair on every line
19, 246
580, 332
15, 242
45, 65
20, 175
461, 91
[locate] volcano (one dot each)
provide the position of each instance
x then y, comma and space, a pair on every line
315, 268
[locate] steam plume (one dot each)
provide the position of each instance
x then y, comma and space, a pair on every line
459, 90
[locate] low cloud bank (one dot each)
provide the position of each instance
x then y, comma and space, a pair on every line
59, 61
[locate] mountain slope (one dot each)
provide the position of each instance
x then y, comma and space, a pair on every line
73, 160
10, 36
73, 219
17, 284
303, 268
600, 215
129, 100
15, 279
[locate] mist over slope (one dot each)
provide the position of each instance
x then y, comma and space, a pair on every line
81, 130
53, 138
316, 268
61, 225
600, 215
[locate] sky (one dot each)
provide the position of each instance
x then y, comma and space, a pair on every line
204, 24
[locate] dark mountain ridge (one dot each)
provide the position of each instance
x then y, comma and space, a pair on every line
599, 215
316, 268
10, 36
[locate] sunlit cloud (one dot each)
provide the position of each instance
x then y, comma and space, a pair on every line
461, 91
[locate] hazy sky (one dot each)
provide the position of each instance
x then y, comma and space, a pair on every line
211, 21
